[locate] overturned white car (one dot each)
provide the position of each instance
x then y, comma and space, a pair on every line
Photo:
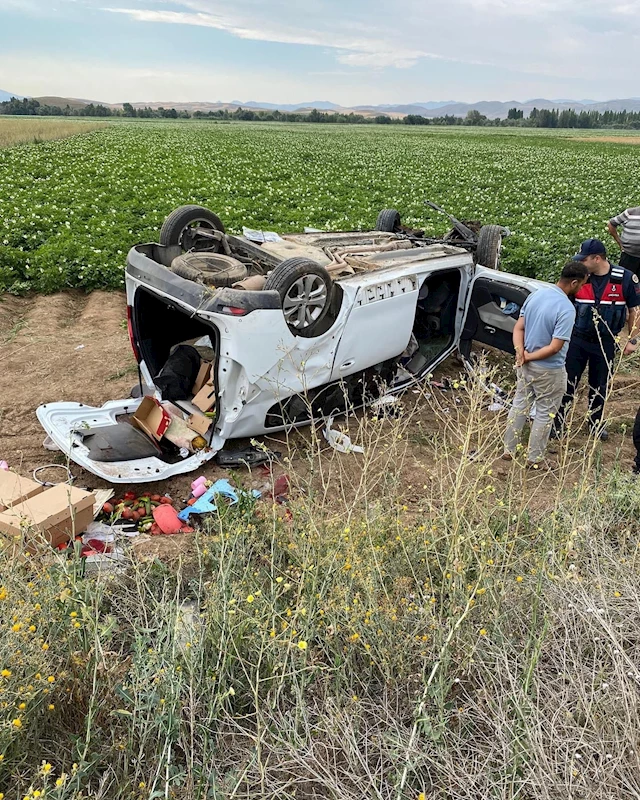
290, 329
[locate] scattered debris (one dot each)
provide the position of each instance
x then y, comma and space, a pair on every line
167, 521
205, 505
67, 472
260, 236
4, 466
387, 406
248, 457
102, 496
80, 347
340, 441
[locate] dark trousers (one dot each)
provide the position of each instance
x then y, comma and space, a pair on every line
631, 263
598, 357
636, 442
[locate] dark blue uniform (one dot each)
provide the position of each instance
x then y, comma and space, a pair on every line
601, 313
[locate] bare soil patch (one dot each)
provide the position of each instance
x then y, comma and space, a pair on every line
609, 139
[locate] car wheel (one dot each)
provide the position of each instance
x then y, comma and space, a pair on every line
389, 221
181, 228
305, 289
488, 251
210, 269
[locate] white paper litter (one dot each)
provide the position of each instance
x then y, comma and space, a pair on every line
340, 441
307, 229
102, 496
49, 444
497, 407
106, 563
80, 347
260, 236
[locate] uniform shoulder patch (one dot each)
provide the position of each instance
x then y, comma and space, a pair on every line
634, 278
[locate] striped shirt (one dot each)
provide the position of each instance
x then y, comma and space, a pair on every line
630, 236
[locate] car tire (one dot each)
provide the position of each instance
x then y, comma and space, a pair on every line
209, 269
389, 221
175, 228
305, 289
488, 251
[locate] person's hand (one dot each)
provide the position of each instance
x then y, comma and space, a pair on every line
629, 348
519, 357
526, 357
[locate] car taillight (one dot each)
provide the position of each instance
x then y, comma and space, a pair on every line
134, 345
234, 311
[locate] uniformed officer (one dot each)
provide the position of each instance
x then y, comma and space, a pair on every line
610, 298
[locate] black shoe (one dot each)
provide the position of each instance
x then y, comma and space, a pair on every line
600, 433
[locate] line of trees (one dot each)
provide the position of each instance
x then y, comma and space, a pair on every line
538, 118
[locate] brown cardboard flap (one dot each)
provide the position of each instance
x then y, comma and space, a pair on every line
206, 397
14, 489
204, 374
199, 423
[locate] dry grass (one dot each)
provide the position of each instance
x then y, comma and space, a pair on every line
379, 639
27, 131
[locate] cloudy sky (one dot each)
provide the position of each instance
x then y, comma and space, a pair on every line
351, 52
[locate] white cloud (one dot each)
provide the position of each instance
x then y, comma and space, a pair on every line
526, 36
418, 49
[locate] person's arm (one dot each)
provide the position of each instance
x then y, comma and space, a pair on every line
615, 222
545, 352
633, 326
613, 230
518, 341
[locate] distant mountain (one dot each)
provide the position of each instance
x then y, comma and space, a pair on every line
402, 110
62, 102
436, 104
321, 105
493, 109
8, 95
499, 110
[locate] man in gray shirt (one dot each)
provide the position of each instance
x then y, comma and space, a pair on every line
541, 340
629, 240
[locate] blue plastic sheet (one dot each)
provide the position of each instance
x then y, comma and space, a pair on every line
205, 504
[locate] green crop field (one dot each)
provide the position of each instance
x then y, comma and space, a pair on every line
70, 209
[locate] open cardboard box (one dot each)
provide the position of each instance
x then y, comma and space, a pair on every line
56, 514
151, 418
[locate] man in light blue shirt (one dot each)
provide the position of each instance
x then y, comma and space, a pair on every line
541, 340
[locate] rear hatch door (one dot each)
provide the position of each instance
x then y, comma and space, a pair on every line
65, 423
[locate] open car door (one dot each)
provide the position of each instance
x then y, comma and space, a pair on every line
493, 307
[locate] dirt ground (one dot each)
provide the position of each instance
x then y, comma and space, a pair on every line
608, 139
73, 346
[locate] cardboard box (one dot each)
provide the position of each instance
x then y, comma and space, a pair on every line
151, 418
199, 423
57, 514
204, 373
14, 489
206, 397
